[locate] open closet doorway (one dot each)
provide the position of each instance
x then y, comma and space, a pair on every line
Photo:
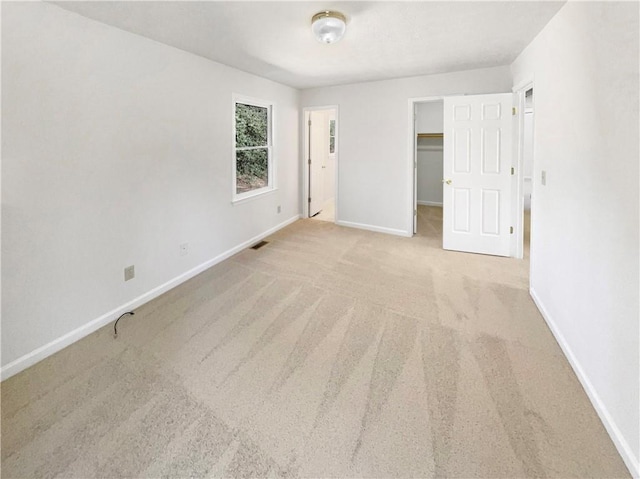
527, 171
523, 185
428, 163
321, 151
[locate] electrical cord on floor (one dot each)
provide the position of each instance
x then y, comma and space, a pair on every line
115, 326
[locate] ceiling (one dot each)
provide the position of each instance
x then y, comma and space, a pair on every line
383, 40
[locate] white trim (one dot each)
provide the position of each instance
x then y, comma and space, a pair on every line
71, 337
525, 85
377, 229
518, 237
632, 463
430, 203
256, 194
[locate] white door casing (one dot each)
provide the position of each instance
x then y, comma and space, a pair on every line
478, 136
415, 169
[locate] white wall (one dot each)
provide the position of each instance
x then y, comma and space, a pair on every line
430, 117
527, 158
430, 155
375, 177
585, 240
116, 149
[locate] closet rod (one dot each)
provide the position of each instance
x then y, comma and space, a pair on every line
430, 135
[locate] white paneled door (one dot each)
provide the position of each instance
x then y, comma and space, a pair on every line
478, 139
318, 155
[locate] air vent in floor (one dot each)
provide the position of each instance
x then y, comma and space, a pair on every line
259, 245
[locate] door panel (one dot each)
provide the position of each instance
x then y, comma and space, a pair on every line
477, 159
490, 212
462, 151
318, 153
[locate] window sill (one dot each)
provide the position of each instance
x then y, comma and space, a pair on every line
254, 196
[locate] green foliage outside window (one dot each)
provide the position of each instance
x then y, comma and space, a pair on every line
332, 136
252, 147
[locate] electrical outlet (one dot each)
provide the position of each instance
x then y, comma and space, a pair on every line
184, 249
279, 209
129, 273
543, 178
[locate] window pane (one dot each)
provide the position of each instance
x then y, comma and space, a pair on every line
252, 169
332, 136
251, 125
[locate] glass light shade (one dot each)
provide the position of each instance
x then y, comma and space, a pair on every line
328, 27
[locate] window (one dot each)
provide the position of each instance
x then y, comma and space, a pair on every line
253, 155
332, 136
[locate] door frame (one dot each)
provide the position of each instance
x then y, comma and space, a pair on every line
413, 160
518, 214
305, 157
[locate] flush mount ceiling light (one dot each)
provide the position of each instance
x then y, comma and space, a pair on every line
328, 27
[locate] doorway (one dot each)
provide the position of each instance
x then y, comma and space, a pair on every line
428, 160
321, 153
476, 172
527, 171
524, 207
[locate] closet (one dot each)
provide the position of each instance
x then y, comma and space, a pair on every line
429, 146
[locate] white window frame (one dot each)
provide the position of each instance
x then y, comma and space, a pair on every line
271, 186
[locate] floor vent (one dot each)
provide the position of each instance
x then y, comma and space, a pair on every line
259, 245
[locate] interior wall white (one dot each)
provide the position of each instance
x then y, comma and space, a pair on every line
117, 149
527, 158
430, 155
429, 117
375, 187
585, 233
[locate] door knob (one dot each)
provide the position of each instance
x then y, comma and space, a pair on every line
448, 182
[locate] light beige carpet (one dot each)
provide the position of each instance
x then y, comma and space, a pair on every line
330, 352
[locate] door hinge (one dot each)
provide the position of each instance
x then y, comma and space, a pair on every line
513, 171
510, 230
415, 212
514, 110
309, 160
309, 122
309, 199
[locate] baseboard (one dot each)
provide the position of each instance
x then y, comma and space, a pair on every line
620, 442
430, 203
62, 342
377, 229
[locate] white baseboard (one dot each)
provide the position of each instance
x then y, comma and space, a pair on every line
377, 229
430, 203
620, 442
62, 342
